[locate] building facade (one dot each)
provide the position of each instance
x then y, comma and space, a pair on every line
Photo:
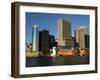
82, 37
35, 38
65, 34
52, 42
44, 41
87, 41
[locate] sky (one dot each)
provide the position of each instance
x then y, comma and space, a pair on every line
48, 21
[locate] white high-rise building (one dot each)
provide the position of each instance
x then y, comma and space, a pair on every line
65, 34
80, 36
35, 38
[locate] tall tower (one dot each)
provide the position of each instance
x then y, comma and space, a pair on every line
35, 38
44, 41
64, 34
82, 37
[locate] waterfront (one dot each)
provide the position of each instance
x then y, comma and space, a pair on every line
56, 61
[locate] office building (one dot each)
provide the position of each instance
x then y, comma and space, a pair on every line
65, 34
82, 37
44, 41
35, 38
52, 42
87, 41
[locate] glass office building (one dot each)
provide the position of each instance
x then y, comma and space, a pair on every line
35, 38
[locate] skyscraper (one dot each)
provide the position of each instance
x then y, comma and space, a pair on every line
44, 41
87, 41
65, 34
35, 38
52, 42
82, 37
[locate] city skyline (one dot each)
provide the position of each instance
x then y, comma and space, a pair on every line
48, 21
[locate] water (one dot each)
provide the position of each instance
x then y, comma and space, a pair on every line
55, 61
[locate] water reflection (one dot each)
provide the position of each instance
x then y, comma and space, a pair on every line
53, 61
